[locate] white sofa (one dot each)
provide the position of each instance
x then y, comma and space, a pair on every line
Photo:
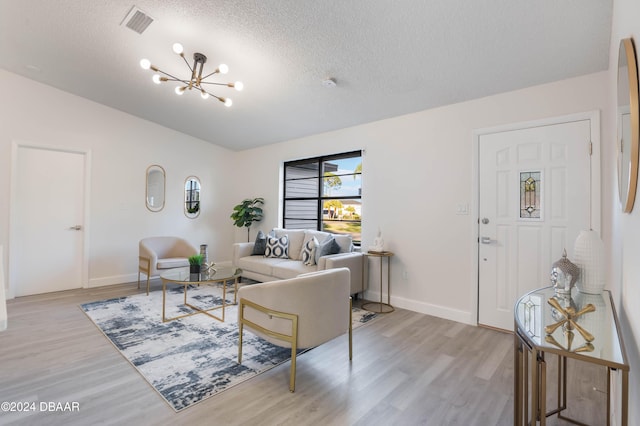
260, 268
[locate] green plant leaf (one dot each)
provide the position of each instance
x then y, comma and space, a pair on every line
247, 212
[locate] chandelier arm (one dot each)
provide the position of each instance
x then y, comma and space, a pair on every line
215, 83
186, 62
209, 75
176, 79
209, 93
173, 77
214, 96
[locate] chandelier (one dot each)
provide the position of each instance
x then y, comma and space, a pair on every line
196, 81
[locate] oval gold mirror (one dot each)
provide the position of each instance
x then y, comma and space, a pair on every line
192, 197
627, 117
154, 190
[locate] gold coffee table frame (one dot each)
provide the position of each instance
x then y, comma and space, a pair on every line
380, 307
182, 276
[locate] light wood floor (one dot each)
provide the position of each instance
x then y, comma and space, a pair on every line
408, 369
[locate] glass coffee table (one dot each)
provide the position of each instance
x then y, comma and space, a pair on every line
218, 274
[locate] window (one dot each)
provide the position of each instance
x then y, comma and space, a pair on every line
530, 185
324, 193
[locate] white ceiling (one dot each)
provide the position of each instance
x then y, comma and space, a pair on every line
388, 57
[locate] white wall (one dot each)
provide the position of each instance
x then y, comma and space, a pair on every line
122, 147
421, 164
625, 236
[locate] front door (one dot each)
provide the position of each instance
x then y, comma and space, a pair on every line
534, 198
47, 220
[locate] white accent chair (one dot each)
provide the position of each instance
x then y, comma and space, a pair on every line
160, 253
299, 313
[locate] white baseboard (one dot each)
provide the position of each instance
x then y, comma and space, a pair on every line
426, 308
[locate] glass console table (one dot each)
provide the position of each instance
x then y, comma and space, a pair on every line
579, 326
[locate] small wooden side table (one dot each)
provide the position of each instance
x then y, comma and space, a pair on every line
380, 307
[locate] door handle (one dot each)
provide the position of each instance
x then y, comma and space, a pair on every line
486, 240
76, 228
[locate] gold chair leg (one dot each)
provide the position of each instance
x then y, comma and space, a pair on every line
294, 350
146, 271
241, 307
292, 374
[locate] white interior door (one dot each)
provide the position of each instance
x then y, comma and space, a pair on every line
47, 220
534, 198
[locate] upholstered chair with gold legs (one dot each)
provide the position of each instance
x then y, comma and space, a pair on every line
160, 253
299, 313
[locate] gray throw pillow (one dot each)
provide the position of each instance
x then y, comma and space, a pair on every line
261, 244
328, 246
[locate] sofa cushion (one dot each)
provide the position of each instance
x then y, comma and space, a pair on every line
296, 239
329, 246
291, 269
172, 262
277, 247
260, 245
259, 265
309, 252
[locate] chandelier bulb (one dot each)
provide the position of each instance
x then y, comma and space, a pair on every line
238, 86
145, 64
228, 102
204, 94
223, 69
156, 78
177, 48
179, 90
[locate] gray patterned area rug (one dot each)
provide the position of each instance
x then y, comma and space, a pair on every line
192, 358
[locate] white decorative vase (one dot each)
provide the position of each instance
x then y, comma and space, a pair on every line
588, 254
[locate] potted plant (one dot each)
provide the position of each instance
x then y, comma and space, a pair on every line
195, 262
247, 212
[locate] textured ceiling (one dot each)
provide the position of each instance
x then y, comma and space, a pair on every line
388, 57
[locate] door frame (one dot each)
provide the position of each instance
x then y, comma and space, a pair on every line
596, 194
13, 213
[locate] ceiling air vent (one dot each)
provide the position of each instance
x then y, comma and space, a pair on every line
137, 20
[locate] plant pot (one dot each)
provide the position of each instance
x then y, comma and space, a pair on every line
194, 269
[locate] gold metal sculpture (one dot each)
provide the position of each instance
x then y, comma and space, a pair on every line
569, 323
570, 316
587, 347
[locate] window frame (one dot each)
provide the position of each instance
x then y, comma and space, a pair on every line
321, 197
